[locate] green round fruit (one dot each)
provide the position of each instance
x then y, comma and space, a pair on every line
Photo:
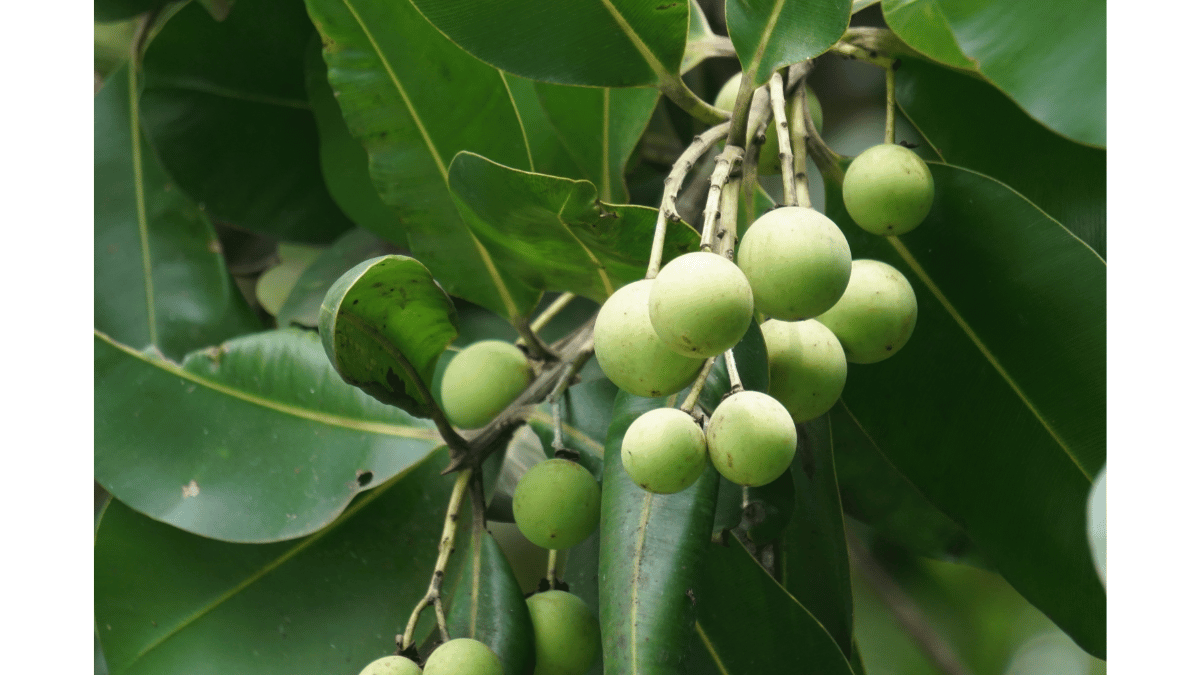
463, 656
751, 438
888, 189
566, 636
807, 367
664, 451
556, 504
768, 154
701, 304
797, 262
391, 665
481, 381
876, 315
629, 351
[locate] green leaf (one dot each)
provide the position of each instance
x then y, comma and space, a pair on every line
167, 601
414, 99
600, 128
815, 565
253, 441
548, 154
1066, 180
750, 355
598, 43
115, 10
343, 159
303, 304
586, 411
771, 34
700, 38
384, 324
226, 107
553, 233
746, 622
484, 601
999, 397
1057, 76
160, 280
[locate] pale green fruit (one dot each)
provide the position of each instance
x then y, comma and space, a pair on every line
664, 451
556, 504
751, 438
481, 381
768, 156
701, 304
807, 365
888, 189
876, 315
391, 665
629, 351
463, 656
796, 260
566, 636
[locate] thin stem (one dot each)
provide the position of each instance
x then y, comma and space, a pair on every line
735, 380
910, 616
694, 395
555, 397
674, 89
799, 143
433, 596
786, 162
861, 54
529, 338
727, 230
669, 209
729, 158
550, 312
889, 127
552, 567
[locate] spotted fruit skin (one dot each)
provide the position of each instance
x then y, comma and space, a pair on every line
629, 351
664, 451
463, 656
888, 190
797, 262
391, 665
751, 438
556, 504
876, 315
701, 304
807, 367
481, 381
566, 636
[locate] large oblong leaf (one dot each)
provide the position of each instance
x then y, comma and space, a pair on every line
167, 601
1067, 180
771, 34
384, 324
1057, 76
599, 43
414, 99
553, 233
995, 408
746, 622
256, 440
160, 279
226, 106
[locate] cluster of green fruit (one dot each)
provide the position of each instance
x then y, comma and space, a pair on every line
566, 642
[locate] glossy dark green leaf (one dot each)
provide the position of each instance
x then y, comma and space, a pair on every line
599, 43
115, 10
600, 129
414, 99
972, 125
548, 153
343, 159
874, 492
1057, 76
160, 280
256, 440
226, 107
700, 38
384, 324
748, 623
814, 562
303, 304
771, 34
552, 233
999, 396
750, 355
483, 599
167, 601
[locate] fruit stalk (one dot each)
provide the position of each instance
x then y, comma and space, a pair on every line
786, 160
889, 127
689, 403
669, 210
729, 159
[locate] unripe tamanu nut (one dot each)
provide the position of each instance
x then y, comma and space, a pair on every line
701, 304
629, 351
876, 314
566, 636
807, 367
481, 381
463, 656
556, 504
751, 438
664, 451
797, 262
888, 189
